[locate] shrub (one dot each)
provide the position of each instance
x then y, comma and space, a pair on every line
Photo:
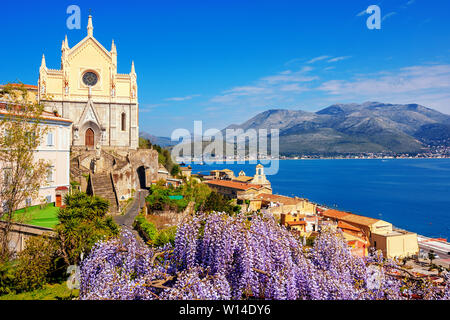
82, 223
36, 263
145, 228
8, 280
166, 236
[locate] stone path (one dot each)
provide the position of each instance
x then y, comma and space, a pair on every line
126, 221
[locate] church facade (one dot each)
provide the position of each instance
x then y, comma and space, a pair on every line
102, 103
103, 107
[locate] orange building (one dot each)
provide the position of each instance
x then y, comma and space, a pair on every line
237, 190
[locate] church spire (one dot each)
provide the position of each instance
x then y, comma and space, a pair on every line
113, 47
132, 68
90, 27
43, 62
66, 43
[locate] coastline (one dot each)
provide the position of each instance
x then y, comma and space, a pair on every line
380, 189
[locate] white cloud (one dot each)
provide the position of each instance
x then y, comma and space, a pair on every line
182, 98
388, 15
425, 84
278, 87
318, 59
339, 59
293, 87
361, 13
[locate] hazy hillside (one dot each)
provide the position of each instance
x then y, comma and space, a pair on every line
161, 141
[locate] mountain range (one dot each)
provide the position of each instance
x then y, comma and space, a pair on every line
371, 127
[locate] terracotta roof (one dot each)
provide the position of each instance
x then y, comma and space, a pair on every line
277, 198
45, 115
186, 168
349, 217
234, 184
296, 223
345, 225
223, 170
19, 85
335, 214
243, 178
365, 221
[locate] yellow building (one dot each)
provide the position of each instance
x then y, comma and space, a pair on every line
186, 171
277, 205
102, 103
18, 89
382, 236
225, 174
397, 243
259, 177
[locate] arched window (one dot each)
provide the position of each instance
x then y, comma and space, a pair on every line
123, 119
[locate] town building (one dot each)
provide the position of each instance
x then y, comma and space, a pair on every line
277, 205
186, 172
163, 174
166, 177
301, 223
225, 174
237, 190
259, 177
55, 149
32, 95
378, 233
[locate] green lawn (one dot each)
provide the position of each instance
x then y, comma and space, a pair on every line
48, 292
47, 217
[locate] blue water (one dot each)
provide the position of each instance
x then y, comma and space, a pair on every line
412, 194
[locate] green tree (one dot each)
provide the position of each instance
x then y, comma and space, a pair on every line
431, 256
83, 222
144, 143
216, 202
21, 131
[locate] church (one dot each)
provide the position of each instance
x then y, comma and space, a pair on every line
103, 107
102, 103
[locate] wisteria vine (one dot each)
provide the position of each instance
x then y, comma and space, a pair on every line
217, 256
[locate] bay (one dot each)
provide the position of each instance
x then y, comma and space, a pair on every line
412, 194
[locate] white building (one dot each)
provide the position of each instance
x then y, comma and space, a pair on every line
55, 149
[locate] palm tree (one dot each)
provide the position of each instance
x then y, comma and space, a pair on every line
431, 256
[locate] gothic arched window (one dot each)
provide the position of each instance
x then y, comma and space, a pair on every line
123, 121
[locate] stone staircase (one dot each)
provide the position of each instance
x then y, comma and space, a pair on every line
102, 186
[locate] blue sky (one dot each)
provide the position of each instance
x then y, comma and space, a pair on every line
225, 61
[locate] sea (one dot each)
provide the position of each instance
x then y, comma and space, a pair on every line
412, 194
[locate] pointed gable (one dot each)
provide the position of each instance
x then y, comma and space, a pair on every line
89, 114
91, 46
